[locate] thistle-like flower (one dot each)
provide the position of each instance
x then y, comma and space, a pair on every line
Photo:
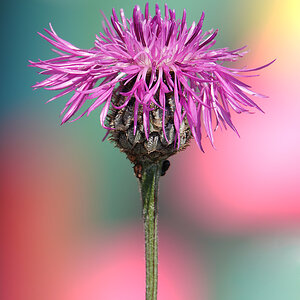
159, 82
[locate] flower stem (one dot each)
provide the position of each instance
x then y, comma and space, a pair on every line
149, 191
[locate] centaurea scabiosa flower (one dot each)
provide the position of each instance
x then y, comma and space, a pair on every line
159, 83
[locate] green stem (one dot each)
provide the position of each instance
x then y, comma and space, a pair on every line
149, 192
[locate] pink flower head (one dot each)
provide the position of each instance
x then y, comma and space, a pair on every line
158, 56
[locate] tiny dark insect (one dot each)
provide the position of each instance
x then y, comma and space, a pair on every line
165, 166
138, 170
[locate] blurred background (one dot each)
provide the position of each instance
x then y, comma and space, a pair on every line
70, 220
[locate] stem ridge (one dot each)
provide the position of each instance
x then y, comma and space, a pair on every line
149, 193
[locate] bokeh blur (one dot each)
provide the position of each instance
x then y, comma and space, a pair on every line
70, 220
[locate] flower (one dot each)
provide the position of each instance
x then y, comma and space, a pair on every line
144, 61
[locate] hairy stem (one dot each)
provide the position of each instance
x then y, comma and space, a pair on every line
149, 192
